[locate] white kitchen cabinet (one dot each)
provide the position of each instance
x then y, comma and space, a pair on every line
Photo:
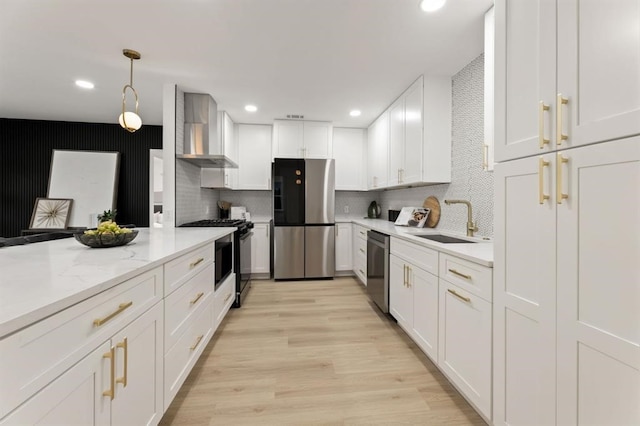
224, 297
254, 158
359, 257
400, 293
405, 136
74, 398
223, 177
377, 152
302, 139
464, 346
565, 348
349, 151
567, 87
261, 249
344, 247
489, 85
227, 136
425, 310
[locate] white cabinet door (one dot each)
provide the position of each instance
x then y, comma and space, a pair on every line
524, 292
396, 141
598, 70
400, 293
254, 159
260, 248
464, 347
359, 254
425, 311
525, 77
74, 398
489, 85
349, 148
411, 170
343, 247
599, 284
378, 143
288, 139
228, 139
317, 137
139, 370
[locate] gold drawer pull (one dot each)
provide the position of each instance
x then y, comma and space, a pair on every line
196, 263
460, 274
195, 345
559, 194
362, 250
98, 322
124, 346
542, 141
112, 361
228, 297
559, 135
541, 165
361, 233
361, 271
198, 296
466, 299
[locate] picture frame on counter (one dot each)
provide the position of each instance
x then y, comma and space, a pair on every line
51, 213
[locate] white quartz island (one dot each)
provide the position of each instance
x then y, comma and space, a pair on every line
40, 279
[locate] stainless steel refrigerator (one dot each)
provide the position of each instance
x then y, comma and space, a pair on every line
303, 218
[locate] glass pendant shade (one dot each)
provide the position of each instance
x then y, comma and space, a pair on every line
130, 121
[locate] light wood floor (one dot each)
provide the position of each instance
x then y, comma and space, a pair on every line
314, 352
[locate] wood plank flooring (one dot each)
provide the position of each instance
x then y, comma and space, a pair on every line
314, 352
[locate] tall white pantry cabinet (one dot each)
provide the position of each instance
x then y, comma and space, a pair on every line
567, 209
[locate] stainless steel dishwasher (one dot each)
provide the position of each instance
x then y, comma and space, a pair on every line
378, 269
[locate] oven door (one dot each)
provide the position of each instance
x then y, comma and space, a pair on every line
245, 260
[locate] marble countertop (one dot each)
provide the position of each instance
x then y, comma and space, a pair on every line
480, 252
40, 279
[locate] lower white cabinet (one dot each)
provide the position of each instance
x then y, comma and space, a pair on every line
464, 347
425, 311
261, 249
400, 293
344, 247
359, 252
224, 297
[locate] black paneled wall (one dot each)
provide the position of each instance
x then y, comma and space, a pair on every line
26, 147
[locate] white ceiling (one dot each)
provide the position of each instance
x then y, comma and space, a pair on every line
319, 58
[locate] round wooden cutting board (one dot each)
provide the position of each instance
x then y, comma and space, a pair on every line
433, 205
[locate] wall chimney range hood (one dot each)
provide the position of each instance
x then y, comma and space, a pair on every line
203, 145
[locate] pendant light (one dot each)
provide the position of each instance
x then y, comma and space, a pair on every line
129, 120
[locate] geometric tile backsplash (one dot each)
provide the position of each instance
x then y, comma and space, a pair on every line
468, 180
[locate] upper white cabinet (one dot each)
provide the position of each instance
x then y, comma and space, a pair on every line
254, 160
349, 151
410, 143
223, 178
566, 87
489, 85
226, 133
302, 139
377, 152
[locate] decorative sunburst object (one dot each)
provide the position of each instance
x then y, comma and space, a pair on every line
51, 213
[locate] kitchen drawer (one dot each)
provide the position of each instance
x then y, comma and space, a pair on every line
224, 297
36, 355
179, 361
181, 305
360, 269
474, 278
360, 231
418, 255
361, 248
179, 270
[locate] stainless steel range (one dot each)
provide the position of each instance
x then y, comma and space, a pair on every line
241, 251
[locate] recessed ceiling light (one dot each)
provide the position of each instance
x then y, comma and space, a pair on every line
431, 5
355, 113
84, 84
250, 108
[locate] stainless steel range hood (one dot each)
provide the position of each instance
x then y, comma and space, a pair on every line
202, 142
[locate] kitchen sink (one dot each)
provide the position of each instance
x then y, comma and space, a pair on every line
445, 239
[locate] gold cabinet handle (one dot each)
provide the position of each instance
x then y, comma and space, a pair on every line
228, 297
560, 160
362, 233
460, 274
195, 299
559, 135
404, 275
541, 165
409, 270
362, 250
196, 263
124, 346
541, 139
112, 361
459, 296
195, 345
99, 321
485, 157
362, 272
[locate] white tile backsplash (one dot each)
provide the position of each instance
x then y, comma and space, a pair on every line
468, 180
193, 202
258, 203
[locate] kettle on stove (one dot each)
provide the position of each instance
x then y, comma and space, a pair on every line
373, 212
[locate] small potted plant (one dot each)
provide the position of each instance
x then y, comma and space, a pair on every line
107, 215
